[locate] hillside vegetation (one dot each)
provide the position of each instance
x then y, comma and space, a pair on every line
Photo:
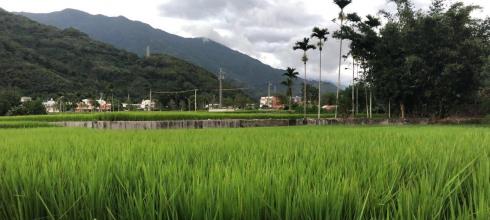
135, 36
43, 61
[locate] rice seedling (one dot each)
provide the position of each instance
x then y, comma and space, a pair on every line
337, 172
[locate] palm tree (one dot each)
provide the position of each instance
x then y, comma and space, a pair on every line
304, 46
290, 75
322, 36
342, 4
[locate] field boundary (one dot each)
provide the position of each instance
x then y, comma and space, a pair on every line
245, 123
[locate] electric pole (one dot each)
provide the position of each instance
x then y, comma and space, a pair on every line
269, 101
195, 100
221, 77
353, 87
149, 106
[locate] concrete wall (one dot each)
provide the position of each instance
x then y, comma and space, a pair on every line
242, 123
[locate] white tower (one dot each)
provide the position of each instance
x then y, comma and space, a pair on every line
148, 51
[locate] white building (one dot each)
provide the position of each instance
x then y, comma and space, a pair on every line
25, 99
297, 100
147, 104
51, 106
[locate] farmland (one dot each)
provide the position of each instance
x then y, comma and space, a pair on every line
339, 172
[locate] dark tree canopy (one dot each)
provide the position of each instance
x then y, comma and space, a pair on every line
429, 63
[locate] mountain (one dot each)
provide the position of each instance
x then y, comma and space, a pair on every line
43, 61
135, 36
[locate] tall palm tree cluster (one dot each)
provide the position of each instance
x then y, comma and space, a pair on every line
321, 35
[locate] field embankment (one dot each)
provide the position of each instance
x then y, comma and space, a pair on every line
150, 116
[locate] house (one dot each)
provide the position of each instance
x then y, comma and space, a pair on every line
51, 106
296, 100
25, 99
86, 105
104, 106
272, 102
147, 105
329, 107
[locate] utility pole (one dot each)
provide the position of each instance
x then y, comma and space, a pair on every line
269, 84
221, 77
370, 103
353, 86
389, 109
149, 106
357, 91
195, 100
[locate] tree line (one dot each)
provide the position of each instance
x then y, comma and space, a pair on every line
433, 63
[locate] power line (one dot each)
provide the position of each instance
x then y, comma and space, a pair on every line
176, 92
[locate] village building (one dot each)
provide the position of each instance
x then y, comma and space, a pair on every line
296, 100
329, 107
147, 105
104, 106
271, 102
51, 106
25, 99
86, 105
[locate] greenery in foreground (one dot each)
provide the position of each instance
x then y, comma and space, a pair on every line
262, 173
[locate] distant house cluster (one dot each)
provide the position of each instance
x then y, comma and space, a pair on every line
90, 105
271, 102
145, 105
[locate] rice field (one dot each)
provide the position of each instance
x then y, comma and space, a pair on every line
339, 172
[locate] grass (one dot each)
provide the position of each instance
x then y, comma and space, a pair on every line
261, 173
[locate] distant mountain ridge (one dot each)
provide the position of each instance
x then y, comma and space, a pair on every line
43, 61
135, 36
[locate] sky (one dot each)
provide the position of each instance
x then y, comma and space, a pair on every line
263, 29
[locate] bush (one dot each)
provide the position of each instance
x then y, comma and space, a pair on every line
28, 108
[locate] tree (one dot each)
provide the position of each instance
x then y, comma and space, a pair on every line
322, 36
342, 4
429, 63
364, 40
304, 46
28, 108
8, 100
311, 93
291, 75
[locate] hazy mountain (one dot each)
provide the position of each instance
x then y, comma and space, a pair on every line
43, 61
135, 36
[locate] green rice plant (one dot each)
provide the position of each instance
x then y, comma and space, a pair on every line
23, 124
339, 172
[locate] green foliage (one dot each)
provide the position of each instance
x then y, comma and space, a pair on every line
135, 36
265, 173
429, 63
8, 100
28, 108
